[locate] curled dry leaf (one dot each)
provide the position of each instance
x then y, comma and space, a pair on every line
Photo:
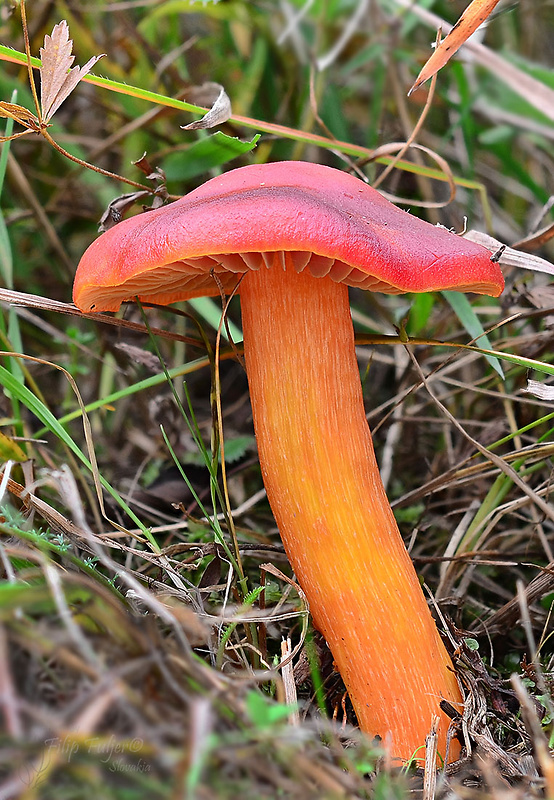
158, 178
117, 208
121, 204
22, 116
146, 167
209, 94
474, 15
537, 239
57, 78
540, 390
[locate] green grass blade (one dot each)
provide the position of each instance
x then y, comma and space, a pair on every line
6, 259
5, 148
210, 312
37, 407
469, 319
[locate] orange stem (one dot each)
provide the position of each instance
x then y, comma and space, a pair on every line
335, 521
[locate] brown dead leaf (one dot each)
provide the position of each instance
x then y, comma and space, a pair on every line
154, 173
536, 240
22, 116
158, 178
57, 78
541, 297
205, 95
117, 208
474, 15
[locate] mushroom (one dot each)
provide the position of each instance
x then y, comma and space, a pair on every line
296, 235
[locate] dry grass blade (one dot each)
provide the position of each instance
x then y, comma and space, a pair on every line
509, 256
8, 695
412, 137
545, 507
474, 15
25, 300
325, 61
57, 78
289, 685
508, 614
303, 613
536, 733
430, 771
23, 186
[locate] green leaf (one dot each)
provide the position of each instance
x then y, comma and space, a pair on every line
204, 155
265, 714
6, 259
236, 448
210, 312
469, 319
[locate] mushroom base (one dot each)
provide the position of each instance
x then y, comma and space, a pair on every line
333, 515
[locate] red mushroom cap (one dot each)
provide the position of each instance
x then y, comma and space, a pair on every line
331, 222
